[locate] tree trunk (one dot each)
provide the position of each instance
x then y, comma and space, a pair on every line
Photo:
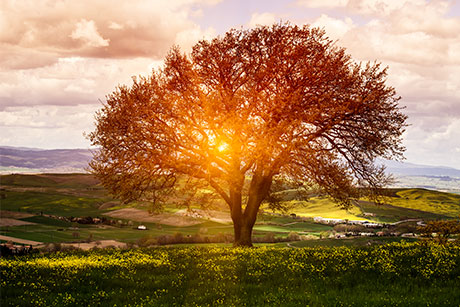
243, 223
243, 233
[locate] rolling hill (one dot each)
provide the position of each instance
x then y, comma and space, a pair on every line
43, 208
33, 160
409, 169
22, 160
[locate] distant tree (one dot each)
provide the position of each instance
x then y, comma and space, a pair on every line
244, 110
443, 229
350, 228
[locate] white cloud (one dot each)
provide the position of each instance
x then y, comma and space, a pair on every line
47, 126
262, 19
138, 28
66, 52
189, 37
364, 7
70, 81
381, 7
420, 42
322, 3
115, 26
436, 146
86, 30
335, 28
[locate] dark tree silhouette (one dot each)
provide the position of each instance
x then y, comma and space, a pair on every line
247, 108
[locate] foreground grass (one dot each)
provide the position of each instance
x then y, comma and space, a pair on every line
405, 274
350, 242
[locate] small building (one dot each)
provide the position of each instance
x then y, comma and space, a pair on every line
327, 221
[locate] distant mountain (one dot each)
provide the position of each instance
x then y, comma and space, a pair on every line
410, 169
33, 160
409, 175
20, 159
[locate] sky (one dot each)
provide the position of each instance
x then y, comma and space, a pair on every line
60, 58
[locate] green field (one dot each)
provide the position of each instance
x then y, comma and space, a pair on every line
392, 213
51, 203
398, 205
79, 195
398, 274
324, 207
427, 200
48, 234
361, 271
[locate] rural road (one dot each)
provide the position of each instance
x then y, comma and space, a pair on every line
20, 241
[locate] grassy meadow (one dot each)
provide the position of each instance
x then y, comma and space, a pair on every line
357, 271
427, 200
397, 274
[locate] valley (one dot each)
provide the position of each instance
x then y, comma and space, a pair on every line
53, 208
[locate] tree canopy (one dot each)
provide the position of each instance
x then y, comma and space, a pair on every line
244, 109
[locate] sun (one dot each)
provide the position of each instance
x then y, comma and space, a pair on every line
222, 147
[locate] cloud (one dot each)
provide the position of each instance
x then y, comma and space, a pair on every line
322, 3
420, 42
439, 145
363, 7
115, 26
424, 62
191, 36
17, 58
87, 32
138, 28
57, 58
47, 126
67, 53
381, 7
70, 81
335, 28
262, 19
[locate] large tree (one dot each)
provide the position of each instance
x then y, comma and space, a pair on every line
244, 109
